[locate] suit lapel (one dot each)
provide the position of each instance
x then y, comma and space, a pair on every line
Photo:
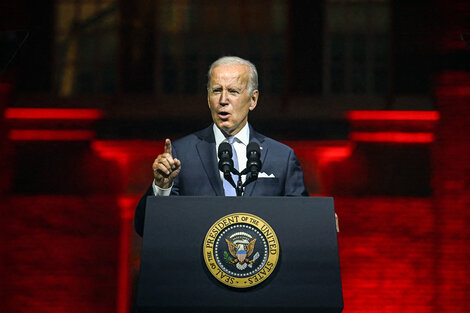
259, 139
208, 154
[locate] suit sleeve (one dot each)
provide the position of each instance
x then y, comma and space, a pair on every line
295, 185
139, 216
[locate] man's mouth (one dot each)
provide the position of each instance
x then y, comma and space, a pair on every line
224, 115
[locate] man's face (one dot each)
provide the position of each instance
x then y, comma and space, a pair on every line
228, 97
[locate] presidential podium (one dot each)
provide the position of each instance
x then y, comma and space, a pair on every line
175, 270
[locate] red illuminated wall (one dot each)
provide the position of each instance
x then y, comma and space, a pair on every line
452, 192
59, 253
68, 243
399, 250
400, 180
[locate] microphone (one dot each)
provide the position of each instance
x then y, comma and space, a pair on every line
253, 162
225, 158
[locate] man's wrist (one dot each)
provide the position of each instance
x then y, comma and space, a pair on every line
158, 191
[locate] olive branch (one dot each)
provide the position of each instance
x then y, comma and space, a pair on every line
227, 258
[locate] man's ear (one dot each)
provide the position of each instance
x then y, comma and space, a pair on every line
254, 99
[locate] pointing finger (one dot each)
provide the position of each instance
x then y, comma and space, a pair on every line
168, 146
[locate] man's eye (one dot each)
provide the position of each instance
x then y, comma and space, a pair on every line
216, 90
234, 91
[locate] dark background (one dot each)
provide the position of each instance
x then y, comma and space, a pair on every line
372, 95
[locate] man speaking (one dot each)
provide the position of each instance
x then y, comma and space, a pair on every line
190, 166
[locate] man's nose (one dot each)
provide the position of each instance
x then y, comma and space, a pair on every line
223, 97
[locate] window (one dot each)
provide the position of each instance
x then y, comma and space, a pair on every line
85, 46
357, 47
192, 34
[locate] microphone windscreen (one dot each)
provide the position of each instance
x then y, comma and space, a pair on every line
252, 147
225, 147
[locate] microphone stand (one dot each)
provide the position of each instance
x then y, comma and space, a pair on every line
226, 166
240, 187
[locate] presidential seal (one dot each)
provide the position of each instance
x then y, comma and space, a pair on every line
241, 250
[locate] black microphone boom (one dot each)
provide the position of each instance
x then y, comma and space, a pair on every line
226, 162
225, 158
253, 154
253, 165
253, 162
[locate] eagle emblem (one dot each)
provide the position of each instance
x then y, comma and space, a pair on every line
241, 247
241, 250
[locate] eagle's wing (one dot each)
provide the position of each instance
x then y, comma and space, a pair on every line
250, 247
232, 248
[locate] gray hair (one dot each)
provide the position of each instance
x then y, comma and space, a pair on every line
232, 60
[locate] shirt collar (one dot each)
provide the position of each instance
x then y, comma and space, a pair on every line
242, 136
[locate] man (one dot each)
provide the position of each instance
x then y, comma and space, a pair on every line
188, 167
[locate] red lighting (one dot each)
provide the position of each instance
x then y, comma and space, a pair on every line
393, 115
50, 135
323, 152
334, 154
459, 91
123, 149
53, 114
5, 88
392, 137
127, 204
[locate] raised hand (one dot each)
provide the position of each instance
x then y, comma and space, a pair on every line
165, 168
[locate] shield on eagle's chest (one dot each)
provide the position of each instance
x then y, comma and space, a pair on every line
241, 256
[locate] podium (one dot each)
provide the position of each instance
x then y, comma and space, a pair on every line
174, 276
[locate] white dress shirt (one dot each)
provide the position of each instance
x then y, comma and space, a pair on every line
242, 138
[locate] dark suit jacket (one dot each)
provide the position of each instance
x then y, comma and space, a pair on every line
199, 175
